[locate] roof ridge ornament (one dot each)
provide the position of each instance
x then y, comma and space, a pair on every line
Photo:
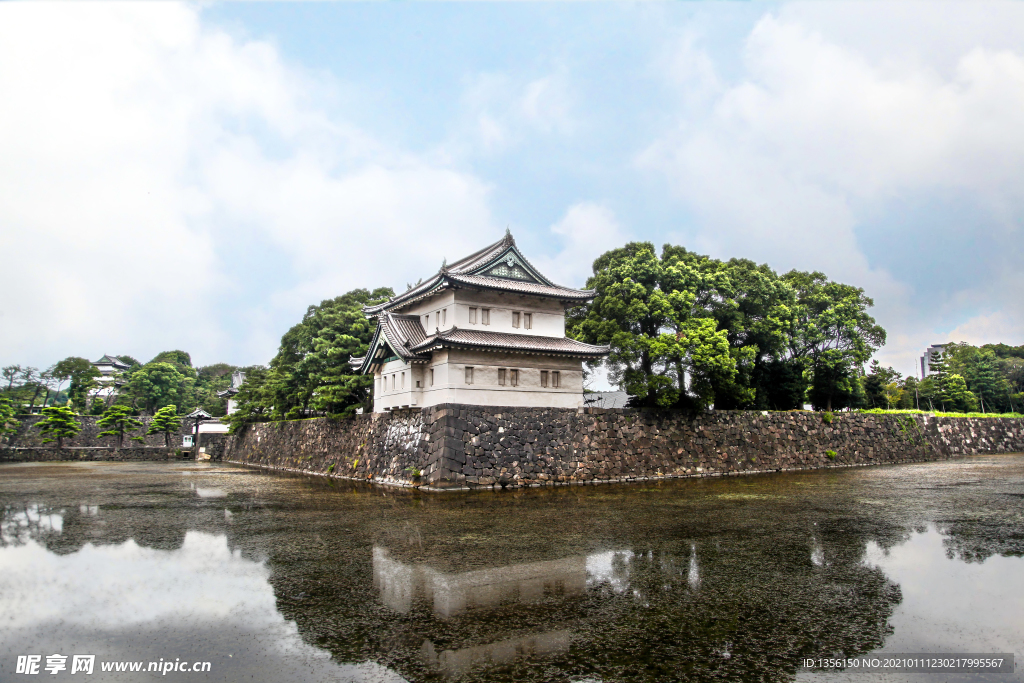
509, 239
444, 265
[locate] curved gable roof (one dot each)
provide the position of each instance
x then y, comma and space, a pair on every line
479, 270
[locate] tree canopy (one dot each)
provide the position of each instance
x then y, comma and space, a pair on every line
119, 420
687, 330
165, 421
310, 373
58, 423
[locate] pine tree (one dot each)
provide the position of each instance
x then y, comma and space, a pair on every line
59, 423
164, 422
120, 421
8, 423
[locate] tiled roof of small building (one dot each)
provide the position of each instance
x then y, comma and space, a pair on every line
467, 272
504, 341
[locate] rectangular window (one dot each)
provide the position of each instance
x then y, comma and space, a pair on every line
556, 380
403, 380
431, 376
515, 318
543, 378
392, 382
444, 317
469, 375
501, 376
472, 315
426, 322
528, 320
514, 375
417, 384
437, 319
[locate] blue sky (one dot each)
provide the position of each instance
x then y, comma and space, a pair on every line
194, 176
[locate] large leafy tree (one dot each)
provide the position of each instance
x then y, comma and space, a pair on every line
310, 372
756, 307
58, 423
833, 335
83, 376
165, 421
882, 386
666, 348
254, 400
158, 384
119, 420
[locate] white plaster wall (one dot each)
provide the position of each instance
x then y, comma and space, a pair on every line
409, 395
450, 382
548, 315
430, 307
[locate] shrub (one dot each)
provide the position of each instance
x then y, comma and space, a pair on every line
831, 454
826, 417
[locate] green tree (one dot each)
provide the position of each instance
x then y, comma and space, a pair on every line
165, 421
949, 388
58, 423
119, 419
755, 308
876, 386
9, 374
834, 335
83, 376
310, 371
8, 423
156, 385
254, 400
666, 348
982, 370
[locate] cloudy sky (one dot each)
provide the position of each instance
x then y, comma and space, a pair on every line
194, 176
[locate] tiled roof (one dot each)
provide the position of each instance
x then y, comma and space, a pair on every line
465, 272
503, 341
523, 287
401, 332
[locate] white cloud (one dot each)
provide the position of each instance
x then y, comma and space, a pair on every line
163, 178
586, 231
789, 161
111, 599
986, 329
502, 109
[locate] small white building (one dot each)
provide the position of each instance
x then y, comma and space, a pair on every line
486, 330
237, 379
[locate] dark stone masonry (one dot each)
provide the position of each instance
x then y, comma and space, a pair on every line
88, 454
458, 446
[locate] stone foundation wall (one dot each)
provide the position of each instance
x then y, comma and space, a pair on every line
27, 436
78, 454
382, 447
459, 446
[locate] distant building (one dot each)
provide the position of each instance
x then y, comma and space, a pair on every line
237, 378
488, 329
109, 365
926, 359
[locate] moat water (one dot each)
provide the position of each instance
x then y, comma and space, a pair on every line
283, 578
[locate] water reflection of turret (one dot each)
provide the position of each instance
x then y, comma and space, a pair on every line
451, 593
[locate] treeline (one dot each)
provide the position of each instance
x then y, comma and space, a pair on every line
962, 379
685, 330
143, 388
310, 374
689, 331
